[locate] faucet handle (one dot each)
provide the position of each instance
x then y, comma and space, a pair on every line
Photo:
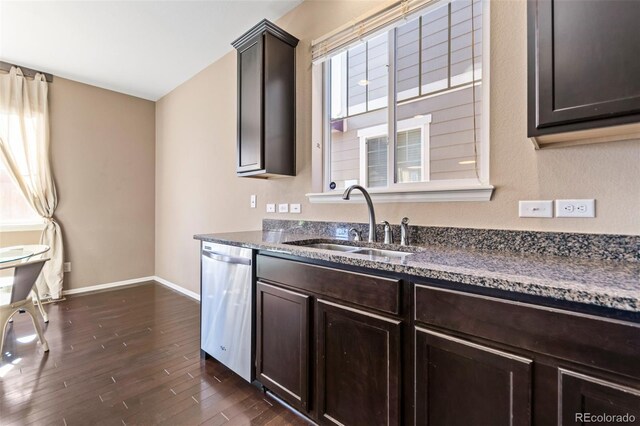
388, 236
404, 232
357, 235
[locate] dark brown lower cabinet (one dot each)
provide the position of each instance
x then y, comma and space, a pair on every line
463, 383
282, 343
358, 367
585, 399
473, 360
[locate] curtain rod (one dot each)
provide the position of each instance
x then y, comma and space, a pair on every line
27, 72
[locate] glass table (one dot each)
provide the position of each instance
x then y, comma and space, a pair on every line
20, 253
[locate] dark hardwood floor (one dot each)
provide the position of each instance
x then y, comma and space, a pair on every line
124, 357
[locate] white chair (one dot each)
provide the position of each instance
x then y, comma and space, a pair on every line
24, 279
35, 293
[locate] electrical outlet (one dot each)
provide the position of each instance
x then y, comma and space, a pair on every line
66, 267
543, 208
271, 208
283, 208
576, 208
253, 201
295, 208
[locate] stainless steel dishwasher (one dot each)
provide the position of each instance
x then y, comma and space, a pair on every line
226, 306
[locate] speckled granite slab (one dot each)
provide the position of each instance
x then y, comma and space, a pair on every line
587, 246
599, 282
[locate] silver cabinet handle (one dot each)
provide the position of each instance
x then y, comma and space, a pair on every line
225, 258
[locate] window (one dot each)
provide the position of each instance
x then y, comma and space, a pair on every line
411, 154
375, 168
420, 81
15, 211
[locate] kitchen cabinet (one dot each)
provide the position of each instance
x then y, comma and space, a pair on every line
386, 349
266, 102
580, 394
358, 366
282, 343
543, 365
356, 341
459, 382
583, 68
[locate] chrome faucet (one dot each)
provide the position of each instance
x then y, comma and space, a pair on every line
372, 214
388, 236
404, 232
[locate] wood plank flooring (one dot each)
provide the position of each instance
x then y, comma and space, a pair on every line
124, 357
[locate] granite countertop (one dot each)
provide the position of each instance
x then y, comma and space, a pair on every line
604, 283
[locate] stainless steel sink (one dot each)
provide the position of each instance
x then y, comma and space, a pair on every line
358, 250
334, 247
382, 253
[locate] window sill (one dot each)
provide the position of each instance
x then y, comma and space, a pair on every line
21, 227
466, 193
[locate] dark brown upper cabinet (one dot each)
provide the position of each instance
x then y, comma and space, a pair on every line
583, 68
266, 102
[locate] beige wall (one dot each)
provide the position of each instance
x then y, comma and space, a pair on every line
103, 151
197, 190
15, 238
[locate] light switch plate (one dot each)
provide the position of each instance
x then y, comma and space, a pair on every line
295, 208
538, 208
576, 208
271, 208
283, 208
253, 201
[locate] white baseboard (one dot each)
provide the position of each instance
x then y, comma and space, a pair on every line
107, 285
177, 288
157, 279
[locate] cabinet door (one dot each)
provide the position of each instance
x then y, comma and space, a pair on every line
279, 106
282, 343
464, 383
250, 93
583, 64
581, 395
358, 367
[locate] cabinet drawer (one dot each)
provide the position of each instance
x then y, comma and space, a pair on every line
370, 291
608, 344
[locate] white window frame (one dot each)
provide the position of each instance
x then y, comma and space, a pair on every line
22, 226
416, 123
431, 191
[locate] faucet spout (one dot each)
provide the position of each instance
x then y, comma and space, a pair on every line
372, 215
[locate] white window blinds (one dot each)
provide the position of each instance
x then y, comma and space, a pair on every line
367, 26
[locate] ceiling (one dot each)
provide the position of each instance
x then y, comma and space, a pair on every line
142, 48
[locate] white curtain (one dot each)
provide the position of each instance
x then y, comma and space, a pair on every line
24, 148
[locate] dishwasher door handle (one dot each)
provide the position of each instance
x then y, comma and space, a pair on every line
226, 258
